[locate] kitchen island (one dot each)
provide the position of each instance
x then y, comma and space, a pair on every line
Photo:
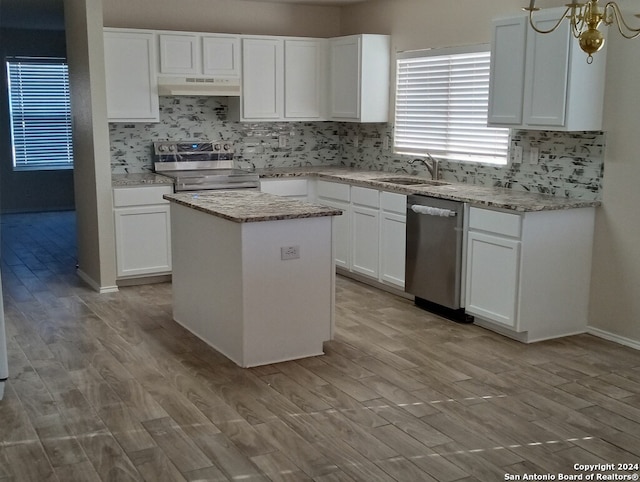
253, 274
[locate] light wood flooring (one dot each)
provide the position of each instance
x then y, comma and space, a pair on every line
108, 387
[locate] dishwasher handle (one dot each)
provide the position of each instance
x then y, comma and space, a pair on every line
433, 211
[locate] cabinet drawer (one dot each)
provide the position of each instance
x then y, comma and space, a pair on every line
365, 196
333, 190
495, 222
393, 202
140, 196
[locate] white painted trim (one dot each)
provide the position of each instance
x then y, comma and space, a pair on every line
622, 340
95, 286
4, 362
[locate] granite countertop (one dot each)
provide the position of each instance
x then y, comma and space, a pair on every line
501, 198
246, 206
139, 179
475, 195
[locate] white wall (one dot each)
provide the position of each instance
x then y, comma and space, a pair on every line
92, 169
614, 300
420, 24
224, 16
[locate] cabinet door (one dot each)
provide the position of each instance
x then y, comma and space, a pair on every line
365, 240
547, 73
392, 247
492, 277
506, 85
130, 69
393, 235
341, 231
303, 78
345, 58
143, 240
221, 55
179, 54
262, 79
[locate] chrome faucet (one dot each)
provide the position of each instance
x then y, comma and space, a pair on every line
433, 167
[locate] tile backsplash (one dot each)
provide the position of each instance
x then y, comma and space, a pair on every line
257, 145
570, 164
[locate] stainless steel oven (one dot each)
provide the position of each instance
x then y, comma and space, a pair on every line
201, 166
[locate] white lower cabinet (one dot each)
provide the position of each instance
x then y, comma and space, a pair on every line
492, 277
337, 195
393, 235
142, 231
365, 229
528, 273
369, 238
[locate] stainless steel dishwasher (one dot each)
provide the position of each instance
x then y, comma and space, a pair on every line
433, 268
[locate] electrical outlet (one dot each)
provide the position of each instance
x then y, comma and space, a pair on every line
289, 252
534, 155
282, 141
385, 143
517, 155
356, 142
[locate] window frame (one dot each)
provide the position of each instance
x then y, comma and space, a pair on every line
447, 132
38, 117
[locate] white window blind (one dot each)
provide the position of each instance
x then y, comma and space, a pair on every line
40, 113
441, 106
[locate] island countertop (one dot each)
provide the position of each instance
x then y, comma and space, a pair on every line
246, 206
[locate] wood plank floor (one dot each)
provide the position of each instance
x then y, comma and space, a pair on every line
108, 387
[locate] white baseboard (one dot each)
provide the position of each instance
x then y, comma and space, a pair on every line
622, 340
91, 282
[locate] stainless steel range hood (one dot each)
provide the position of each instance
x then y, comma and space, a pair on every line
211, 86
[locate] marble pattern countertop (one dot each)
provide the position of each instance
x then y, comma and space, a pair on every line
139, 179
521, 201
501, 198
246, 206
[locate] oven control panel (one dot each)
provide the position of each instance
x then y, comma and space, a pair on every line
177, 151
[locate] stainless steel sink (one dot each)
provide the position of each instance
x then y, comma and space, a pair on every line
411, 181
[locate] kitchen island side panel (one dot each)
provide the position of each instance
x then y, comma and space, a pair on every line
288, 304
207, 278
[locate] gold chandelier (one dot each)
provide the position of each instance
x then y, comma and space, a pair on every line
585, 18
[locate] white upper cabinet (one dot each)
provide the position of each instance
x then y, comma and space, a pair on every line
507, 71
543, 81
192, 53
221, 55
179, 53
283, 78
130, 69
304, 78
262, 78
359, 78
